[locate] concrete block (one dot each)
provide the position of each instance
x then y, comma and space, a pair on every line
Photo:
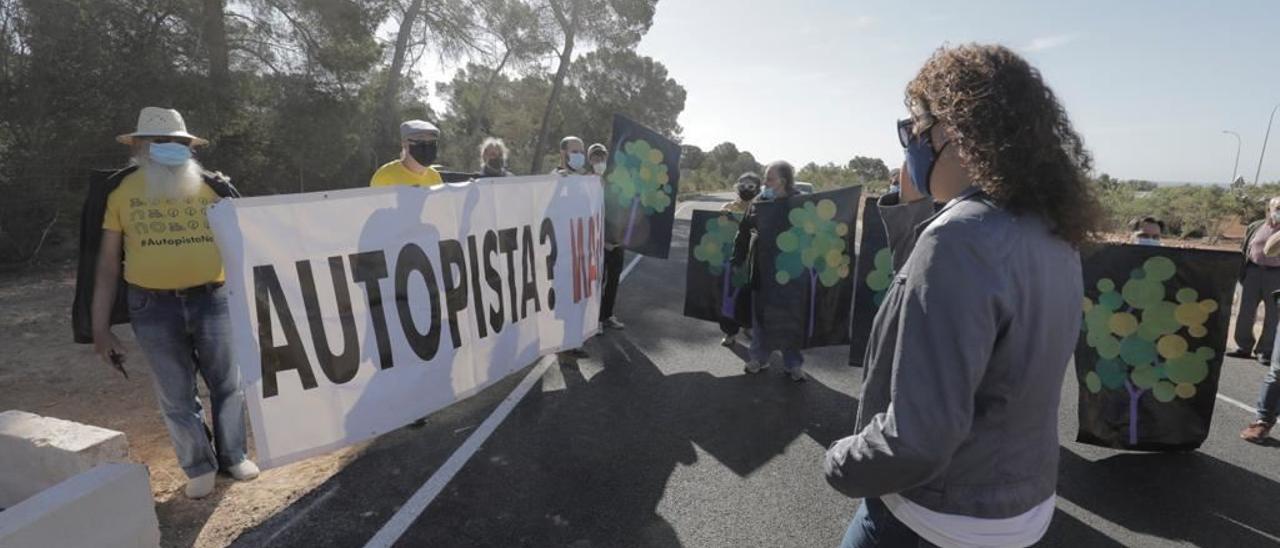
109, 506
40, 452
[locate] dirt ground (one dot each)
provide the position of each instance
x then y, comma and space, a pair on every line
42, 371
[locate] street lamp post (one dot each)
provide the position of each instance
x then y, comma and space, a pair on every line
1258, 173
1237, 166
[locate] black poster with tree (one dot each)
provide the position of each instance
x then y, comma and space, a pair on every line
714, 289
806, 248
640, 188
871, 278
1151, 344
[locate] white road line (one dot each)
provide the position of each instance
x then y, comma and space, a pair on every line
407, 514
1237, 403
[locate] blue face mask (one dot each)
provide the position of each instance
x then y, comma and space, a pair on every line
169, 154
767, 193
920, 161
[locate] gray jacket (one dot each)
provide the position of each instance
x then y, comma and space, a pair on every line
959, 406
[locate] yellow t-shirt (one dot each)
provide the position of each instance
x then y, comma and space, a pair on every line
167, 243
394, 173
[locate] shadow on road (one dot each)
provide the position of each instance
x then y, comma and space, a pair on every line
1190, 497
594, 459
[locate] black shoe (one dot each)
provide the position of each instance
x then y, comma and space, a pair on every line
577, 353
1240, 353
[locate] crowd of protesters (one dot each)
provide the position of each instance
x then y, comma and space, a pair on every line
967, 353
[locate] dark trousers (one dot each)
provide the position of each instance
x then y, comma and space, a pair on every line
612, 273
1256, 287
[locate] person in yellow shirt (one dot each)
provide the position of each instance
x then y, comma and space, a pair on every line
155, 224
419, 140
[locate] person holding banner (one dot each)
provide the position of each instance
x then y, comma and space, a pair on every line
779, 184
573, 161
956, 439
747, 188
1259, 430
419, 140
597, 162
493, 158
155, 221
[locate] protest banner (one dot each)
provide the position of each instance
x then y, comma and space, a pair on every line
1151, 346
358, 311
714, 289
872, 276
641, 184
806, 248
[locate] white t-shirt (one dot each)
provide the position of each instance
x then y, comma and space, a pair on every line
951, 530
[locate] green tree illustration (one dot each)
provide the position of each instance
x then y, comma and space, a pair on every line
815, 242
1140, 339
880, 276
715, 248
639, 180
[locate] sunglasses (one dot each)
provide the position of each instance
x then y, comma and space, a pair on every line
907, 131
163, 140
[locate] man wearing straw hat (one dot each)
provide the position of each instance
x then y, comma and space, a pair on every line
154, 224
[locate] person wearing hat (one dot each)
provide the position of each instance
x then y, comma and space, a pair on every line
418, 148
154, 224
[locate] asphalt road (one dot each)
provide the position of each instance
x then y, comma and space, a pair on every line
660, 439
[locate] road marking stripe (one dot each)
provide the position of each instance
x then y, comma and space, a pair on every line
1237, 403
407, 514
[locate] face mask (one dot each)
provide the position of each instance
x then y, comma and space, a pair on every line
920, 161
493, 165
599, 167
577, 160
169, 154
1275, 216
423, 153
767, 193
1142, 240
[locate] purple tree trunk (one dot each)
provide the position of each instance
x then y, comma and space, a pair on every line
813, 297
1135, 396
631, 221
727, 293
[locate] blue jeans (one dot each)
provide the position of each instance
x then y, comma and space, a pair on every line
180, 335
791, 358
875, 526
1269, 400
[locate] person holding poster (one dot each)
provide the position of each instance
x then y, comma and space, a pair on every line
1259, 430
419, 141
573, 161
747, 188
779, 184
155, 223
969, 348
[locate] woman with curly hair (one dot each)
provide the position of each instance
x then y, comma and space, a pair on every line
957, 433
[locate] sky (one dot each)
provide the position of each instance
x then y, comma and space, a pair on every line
1151, 86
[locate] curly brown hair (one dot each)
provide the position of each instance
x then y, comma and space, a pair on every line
1012, 135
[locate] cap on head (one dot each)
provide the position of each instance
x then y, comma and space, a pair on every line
597, 149
418, 128
160, 122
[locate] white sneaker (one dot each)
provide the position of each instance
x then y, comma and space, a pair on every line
612, 323
244, 471
200, 486
727, 341
755, 366
797, 375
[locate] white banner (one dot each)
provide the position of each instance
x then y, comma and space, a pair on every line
355, 312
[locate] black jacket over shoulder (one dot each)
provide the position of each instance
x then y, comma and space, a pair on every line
101, 184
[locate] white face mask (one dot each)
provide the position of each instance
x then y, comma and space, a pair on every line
577, 160
600, 167
1143, 240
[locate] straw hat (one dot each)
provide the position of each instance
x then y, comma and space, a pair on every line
160, 122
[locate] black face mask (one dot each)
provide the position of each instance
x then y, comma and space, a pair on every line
747, 194
493, 165
423, 153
